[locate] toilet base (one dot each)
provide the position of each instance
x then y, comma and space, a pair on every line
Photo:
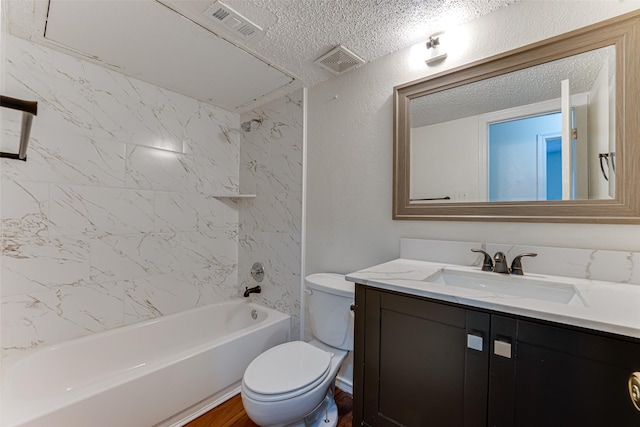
325, 415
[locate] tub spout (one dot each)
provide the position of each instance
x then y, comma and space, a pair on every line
249, 291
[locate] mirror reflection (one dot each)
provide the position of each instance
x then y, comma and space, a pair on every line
541, 133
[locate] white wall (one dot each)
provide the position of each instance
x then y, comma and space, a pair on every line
349, 223
450, 167
599, 133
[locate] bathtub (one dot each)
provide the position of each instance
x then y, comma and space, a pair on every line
160, 372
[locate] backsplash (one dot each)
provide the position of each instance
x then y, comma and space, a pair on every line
113, 218
611, 266
271, 223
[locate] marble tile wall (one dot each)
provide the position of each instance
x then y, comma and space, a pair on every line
113, 218
271, 223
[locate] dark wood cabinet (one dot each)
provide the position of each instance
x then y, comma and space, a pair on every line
573, 378
417, 370
420, 362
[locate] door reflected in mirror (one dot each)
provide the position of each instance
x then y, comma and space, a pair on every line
541, 133
525, 158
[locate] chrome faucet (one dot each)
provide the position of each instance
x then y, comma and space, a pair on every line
249, 291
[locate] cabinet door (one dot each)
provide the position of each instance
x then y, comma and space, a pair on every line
418, 370
502, 371
564, 377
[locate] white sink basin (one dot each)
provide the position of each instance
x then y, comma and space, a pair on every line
504, 284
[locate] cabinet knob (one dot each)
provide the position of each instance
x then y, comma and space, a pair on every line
501, 348
474, 342
634, 389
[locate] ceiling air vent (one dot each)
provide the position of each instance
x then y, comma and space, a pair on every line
232, 21
339, 60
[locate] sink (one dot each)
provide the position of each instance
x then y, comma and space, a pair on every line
504, 284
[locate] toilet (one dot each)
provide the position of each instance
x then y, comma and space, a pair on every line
292, 384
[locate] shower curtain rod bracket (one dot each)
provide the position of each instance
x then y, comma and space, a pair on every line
29, 109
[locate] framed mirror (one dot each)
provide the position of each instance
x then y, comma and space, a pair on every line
545, 133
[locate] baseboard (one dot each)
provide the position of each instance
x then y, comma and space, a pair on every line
344, 384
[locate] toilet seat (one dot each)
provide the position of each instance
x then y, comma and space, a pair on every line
286, 371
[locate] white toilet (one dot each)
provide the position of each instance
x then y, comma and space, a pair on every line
292, 384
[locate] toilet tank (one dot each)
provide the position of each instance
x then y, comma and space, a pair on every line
330, 311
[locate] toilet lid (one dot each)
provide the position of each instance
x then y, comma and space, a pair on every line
287, 367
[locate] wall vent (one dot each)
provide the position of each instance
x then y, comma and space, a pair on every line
231, 20
339, 60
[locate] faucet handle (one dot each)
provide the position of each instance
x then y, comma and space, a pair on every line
487, 263
516, 264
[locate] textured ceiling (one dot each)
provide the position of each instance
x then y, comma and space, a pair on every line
297, 32
300, 31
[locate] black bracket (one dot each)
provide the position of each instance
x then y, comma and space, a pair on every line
29, 109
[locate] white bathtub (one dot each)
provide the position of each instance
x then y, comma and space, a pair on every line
164, 371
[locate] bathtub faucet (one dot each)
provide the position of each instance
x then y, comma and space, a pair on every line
249, 291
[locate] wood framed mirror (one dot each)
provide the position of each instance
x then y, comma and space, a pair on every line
449, 163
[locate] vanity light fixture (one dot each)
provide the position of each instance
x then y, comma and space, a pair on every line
435, 50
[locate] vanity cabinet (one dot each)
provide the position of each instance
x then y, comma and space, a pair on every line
421, 362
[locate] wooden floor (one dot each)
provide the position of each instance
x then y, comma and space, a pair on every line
231, 413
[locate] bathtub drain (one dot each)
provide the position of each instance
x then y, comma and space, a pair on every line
254, 314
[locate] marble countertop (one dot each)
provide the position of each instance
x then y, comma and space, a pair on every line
606, 306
